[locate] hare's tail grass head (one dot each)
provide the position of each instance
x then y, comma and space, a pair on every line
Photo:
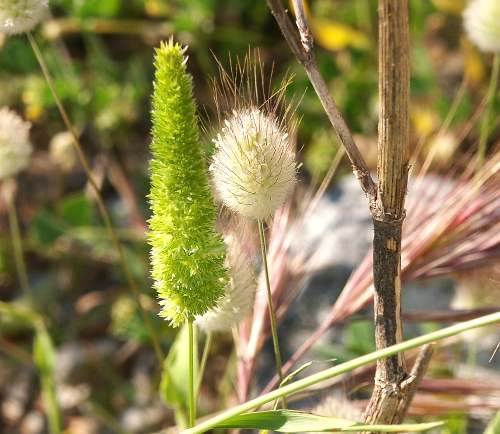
187, 254
482, 24
254, 166
21, 16
15, 145
238, 299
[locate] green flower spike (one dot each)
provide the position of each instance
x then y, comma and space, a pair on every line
187, 254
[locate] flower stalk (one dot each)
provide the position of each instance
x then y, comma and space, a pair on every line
192, 391
203, 363
17, 247
272, 313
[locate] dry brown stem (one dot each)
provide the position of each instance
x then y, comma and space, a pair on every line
394, 388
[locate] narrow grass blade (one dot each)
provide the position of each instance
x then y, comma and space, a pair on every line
289, 421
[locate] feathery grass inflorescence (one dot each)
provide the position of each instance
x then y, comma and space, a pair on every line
253, 167
238, 300
482, 24
21, 16
15, 145
187, 254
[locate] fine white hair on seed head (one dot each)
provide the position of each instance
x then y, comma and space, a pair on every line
482, 24
238, 300
253, 167
15, 145
21, 16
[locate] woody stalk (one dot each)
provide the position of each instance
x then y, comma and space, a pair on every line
394, 387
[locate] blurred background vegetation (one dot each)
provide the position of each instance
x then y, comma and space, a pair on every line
100, 53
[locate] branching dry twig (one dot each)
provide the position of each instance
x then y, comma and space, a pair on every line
301, 44
410, 386
394, 388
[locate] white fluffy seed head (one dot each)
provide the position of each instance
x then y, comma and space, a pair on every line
482, 24
238, 300
253, 168
15, 145
20, 16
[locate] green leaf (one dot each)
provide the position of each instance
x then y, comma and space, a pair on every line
174, 387
292, 375
359, 337
494, 425
44, 358
47, 228
94, 8
15, 315
76, 210
289, 421
43, 351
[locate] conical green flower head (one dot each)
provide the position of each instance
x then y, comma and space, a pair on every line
187, 254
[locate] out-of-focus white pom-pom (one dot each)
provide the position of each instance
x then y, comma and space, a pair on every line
15, 145
482, 24
253, 168
62, 151
237, 303
20, 16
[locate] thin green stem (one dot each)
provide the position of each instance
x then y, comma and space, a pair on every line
490, 102
17, 247
204, 358
367, 359
50, 400
272, 314
192, 392
100, 201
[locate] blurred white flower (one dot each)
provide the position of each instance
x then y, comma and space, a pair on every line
15, 145
253, 168
482, 24
20, 16
62, 151
237, 303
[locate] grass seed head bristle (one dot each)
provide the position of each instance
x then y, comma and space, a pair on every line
482, 24
238, 300
15, 145
21, 16
187, 254
253, 167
